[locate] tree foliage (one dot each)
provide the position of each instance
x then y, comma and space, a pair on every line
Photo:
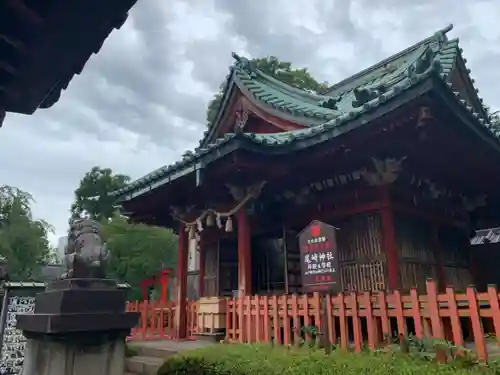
281, 70
495, 122
23, 240
213, 106
284, 71
138, 251
92, 195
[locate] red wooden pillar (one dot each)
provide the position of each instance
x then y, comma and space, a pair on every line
144, 288
180, 307
389, 243
201, 272
164, 284
436, 247
244, 255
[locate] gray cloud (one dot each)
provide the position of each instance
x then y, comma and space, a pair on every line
141, 101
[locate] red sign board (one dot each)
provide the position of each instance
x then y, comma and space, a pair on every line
319, 258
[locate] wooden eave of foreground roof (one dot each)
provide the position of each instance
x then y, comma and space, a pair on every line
46, 42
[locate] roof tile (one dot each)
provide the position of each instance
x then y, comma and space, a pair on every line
349, 99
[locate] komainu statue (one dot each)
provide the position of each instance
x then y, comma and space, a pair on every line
86, 253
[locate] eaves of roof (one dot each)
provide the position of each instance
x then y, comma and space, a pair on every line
286, 142
275, 143
281, 97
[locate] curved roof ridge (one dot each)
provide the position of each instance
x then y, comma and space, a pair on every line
437, 34
283, 133
244, 64
290, 89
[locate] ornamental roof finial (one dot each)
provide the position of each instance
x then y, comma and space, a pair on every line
247, 65
441, 34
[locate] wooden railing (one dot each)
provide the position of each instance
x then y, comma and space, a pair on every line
360, 319
157, 320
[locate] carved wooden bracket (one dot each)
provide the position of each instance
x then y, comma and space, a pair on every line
239, 193
471, 203
424, 116
241, 117
386, 171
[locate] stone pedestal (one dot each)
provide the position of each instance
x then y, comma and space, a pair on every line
78, 328
51, 357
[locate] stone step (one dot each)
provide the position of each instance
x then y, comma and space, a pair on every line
143, 365
153, 351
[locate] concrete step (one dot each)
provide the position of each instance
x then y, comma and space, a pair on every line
143, 365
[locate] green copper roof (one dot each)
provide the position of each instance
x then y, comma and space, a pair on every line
325, 116
310, 109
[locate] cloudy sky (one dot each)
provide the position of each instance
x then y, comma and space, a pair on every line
140, 103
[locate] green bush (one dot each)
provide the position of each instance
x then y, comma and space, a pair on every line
236, 359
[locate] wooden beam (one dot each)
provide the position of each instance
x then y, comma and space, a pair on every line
436, 250
325, 212
180, 307
201, 272
430, 217
5, 66
29, 16
244, 255
388, 238
13, 42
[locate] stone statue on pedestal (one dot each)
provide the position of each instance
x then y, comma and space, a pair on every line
79, 324
86, 253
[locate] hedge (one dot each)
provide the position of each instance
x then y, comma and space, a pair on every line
241, 359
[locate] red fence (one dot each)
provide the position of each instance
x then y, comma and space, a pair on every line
157, 320
367, 318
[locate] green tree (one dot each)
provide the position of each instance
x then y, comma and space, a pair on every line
213, 106
92, 195
23, 240
495, 122
278, 69
137, 251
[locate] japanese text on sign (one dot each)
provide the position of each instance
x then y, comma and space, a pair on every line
319, 263
319, 257
14, 342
